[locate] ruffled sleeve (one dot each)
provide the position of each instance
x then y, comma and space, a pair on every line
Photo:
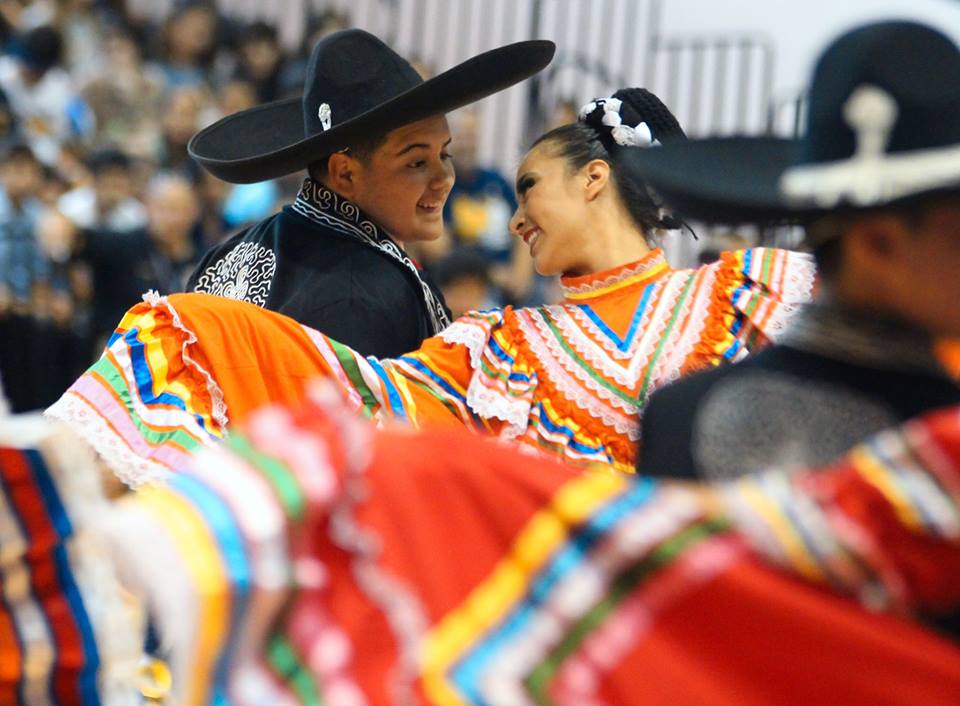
500, 386
180, 369
755, 294
150, 400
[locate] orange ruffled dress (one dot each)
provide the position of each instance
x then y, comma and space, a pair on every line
568, 380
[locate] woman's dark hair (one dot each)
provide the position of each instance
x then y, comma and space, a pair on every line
589, 138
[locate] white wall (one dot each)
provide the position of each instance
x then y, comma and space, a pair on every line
799, 29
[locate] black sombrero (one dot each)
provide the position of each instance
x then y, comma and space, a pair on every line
355, 86
883, 128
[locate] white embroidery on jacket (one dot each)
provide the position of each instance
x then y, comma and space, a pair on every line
245, 273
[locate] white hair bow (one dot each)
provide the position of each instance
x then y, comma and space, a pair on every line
638, 136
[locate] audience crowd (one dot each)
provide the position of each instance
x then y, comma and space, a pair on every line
100, 202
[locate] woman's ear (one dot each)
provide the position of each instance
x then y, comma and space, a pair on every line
597, 173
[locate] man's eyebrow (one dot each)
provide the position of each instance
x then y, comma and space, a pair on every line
421, 146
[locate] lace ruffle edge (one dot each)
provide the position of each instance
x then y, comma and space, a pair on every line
218, 404
487, 403
88, 424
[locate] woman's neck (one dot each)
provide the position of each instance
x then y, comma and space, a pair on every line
614, 242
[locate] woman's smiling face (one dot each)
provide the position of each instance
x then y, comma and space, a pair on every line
552, 216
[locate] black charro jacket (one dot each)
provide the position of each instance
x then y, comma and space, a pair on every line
322, 262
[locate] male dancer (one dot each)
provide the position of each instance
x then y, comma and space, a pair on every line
373, 137
879, 186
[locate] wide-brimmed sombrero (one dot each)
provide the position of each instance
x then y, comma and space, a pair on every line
883, 128
355, 86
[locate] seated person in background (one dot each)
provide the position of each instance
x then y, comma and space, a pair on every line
110, 202
881, 191
158, 256
481, 202
464, 278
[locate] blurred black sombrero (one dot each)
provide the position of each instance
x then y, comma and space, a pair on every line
355, 86
883, 128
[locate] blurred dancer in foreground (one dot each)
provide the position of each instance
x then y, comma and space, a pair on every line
878, 183
312, 559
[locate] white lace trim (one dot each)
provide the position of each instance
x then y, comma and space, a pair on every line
493, 404
86, 422
484, 401
219, 406
650, 329
655, 259
681, 344
800, 279
549, 353
472, 336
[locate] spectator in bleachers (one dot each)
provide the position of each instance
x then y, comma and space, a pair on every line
41, 92
478, 212
23, 269
109, 203
22, 263
158, 256
464, 278
261, 61
189, 45
182, 114
481, 201
125, 95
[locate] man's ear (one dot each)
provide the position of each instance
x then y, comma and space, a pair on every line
342, 174
597, 173
879, 237
878, 242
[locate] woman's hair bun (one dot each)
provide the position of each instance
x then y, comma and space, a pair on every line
632, 117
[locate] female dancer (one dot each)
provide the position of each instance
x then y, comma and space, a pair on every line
569, 380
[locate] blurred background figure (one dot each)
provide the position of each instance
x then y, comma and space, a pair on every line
182, 111
464, 278
481, 202
41, 92
110, 201
189, 45
261, 61
124, 93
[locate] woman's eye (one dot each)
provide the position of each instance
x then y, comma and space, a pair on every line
445, 156
417, 164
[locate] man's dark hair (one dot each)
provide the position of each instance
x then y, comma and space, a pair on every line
361, 149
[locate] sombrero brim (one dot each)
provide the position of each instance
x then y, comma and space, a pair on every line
735, 180
723, 180
267, 141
